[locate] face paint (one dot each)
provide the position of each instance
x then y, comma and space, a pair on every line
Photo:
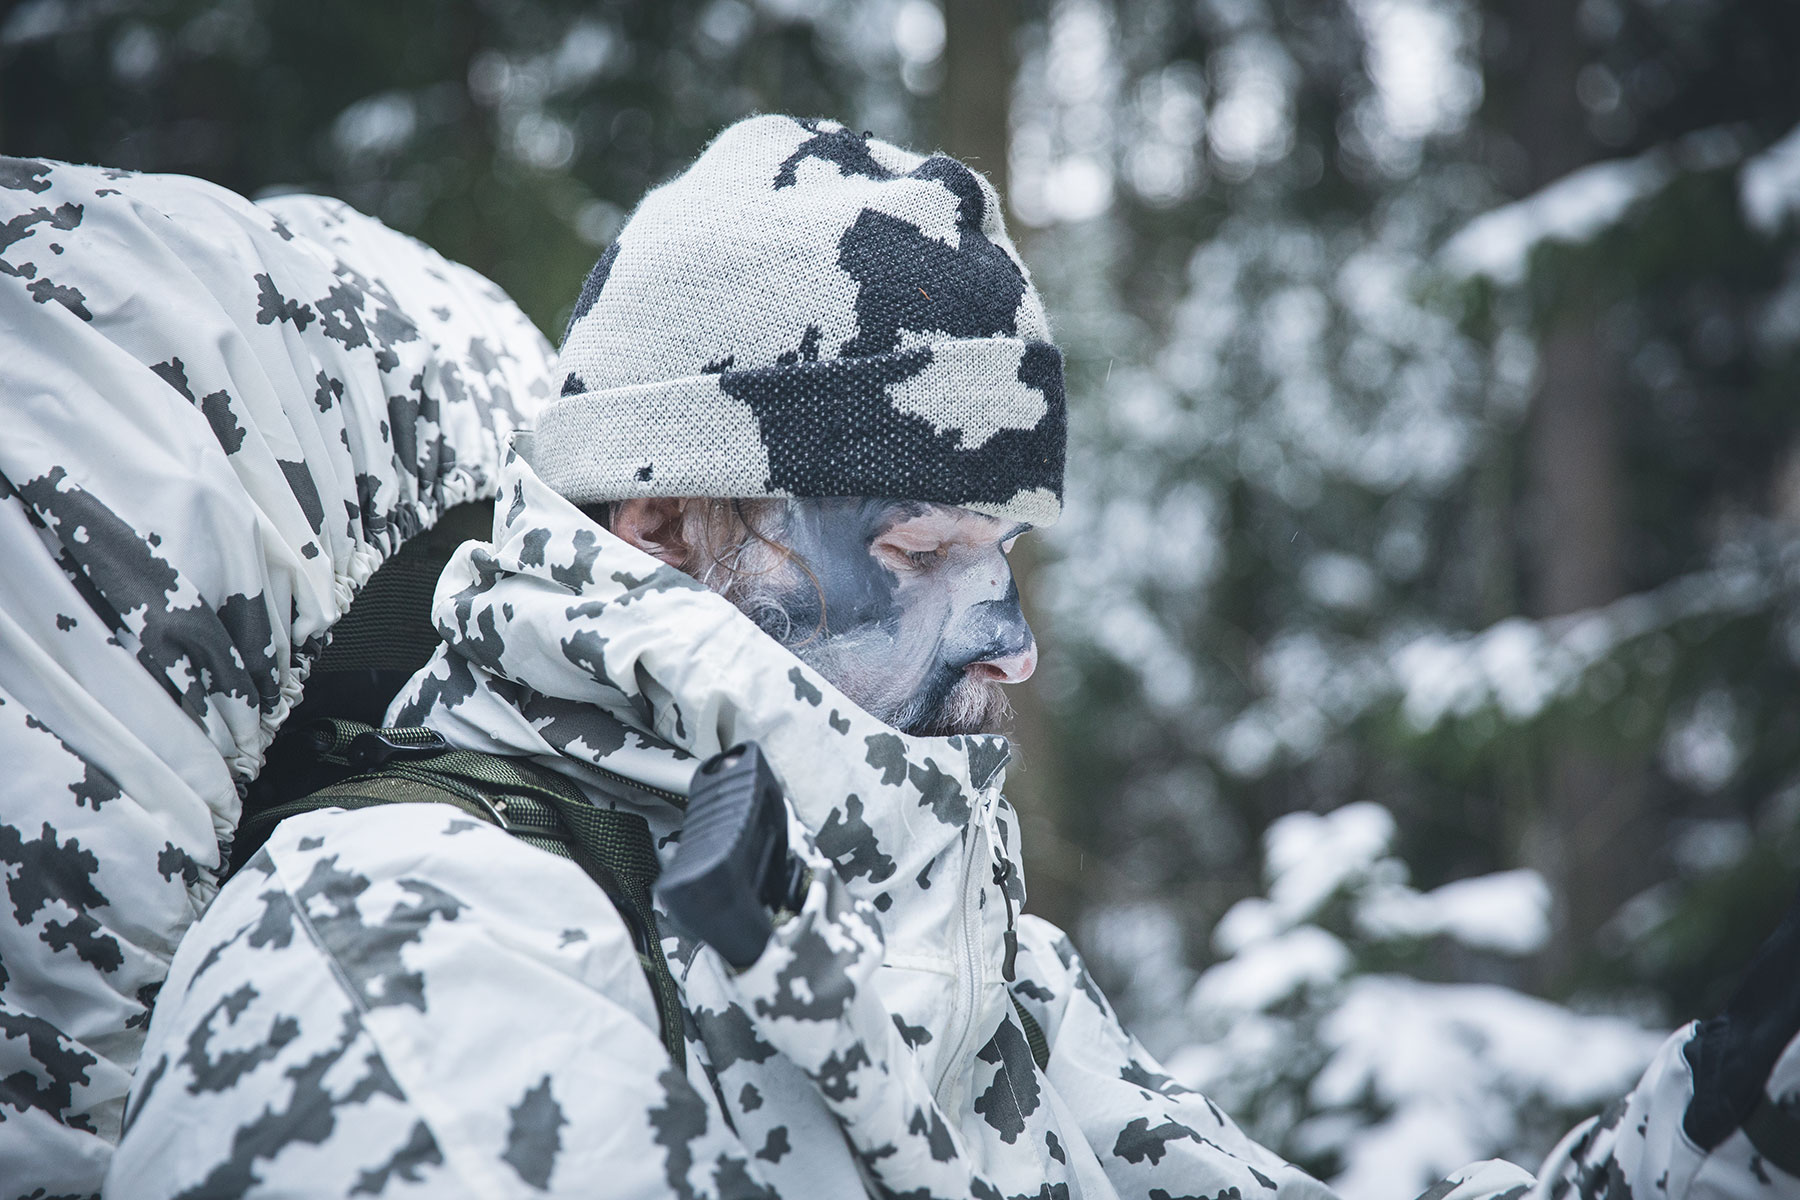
909, 608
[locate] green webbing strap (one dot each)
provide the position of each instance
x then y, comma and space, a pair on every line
537, 806
1034, 1035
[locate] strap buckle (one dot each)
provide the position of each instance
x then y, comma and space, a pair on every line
378, 747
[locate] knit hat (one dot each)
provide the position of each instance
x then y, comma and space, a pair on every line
810, 312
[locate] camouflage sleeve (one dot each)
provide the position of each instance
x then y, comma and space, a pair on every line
402, 1001
1151, 1135
1716, 1115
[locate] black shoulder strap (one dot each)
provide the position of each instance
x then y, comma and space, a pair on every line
538, 806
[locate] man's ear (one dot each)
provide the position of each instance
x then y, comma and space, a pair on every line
654, 526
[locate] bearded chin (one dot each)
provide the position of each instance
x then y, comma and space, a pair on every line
971, 706
952, 702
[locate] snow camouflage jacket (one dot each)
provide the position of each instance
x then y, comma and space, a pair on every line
220, 418
404, 1001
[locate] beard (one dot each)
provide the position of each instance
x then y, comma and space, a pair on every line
969, 706
947, 702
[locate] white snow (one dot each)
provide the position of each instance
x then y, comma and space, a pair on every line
1507, 912
1339, 581
1513, 665
1703, 748
1248, 746
375, 125
1252, 117
1397, 1078
1250, 920
1575, 208
1587, 201
1271, 971
1769, 185
1413, 1079
1064, 145
1519, 666
587, 51
545, 142
37, 20
1078, 188
1310, 856
919, 31
1401, 1080
1416, 1146
1453, 1062
1709, 846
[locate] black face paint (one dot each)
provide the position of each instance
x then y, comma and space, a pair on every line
909, 608
847, 588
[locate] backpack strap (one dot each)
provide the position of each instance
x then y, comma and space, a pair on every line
416, 766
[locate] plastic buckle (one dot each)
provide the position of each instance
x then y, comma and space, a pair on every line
375, 748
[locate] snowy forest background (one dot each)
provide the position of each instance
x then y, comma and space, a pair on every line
1416, 739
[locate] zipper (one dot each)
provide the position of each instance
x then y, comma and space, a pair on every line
970, 976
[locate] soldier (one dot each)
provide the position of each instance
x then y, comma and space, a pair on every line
809, 400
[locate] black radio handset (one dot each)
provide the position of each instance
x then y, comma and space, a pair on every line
732, 871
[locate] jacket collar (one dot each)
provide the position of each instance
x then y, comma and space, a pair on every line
566, 644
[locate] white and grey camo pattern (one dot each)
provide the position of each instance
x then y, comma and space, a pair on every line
810, 311
406, 1002
871, 1050
220, 417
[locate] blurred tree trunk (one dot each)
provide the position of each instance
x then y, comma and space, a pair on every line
1589, 835
980, 64
1594, 838
974, 109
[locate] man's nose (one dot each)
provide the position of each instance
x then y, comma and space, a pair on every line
1008, 668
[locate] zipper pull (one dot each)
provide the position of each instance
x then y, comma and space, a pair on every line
1002, 872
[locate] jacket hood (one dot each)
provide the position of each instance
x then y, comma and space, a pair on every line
565, 644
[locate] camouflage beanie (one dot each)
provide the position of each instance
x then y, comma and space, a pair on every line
810, 312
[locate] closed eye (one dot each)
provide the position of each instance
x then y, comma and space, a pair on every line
910, 554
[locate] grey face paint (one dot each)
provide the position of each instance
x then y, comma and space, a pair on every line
909, 608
